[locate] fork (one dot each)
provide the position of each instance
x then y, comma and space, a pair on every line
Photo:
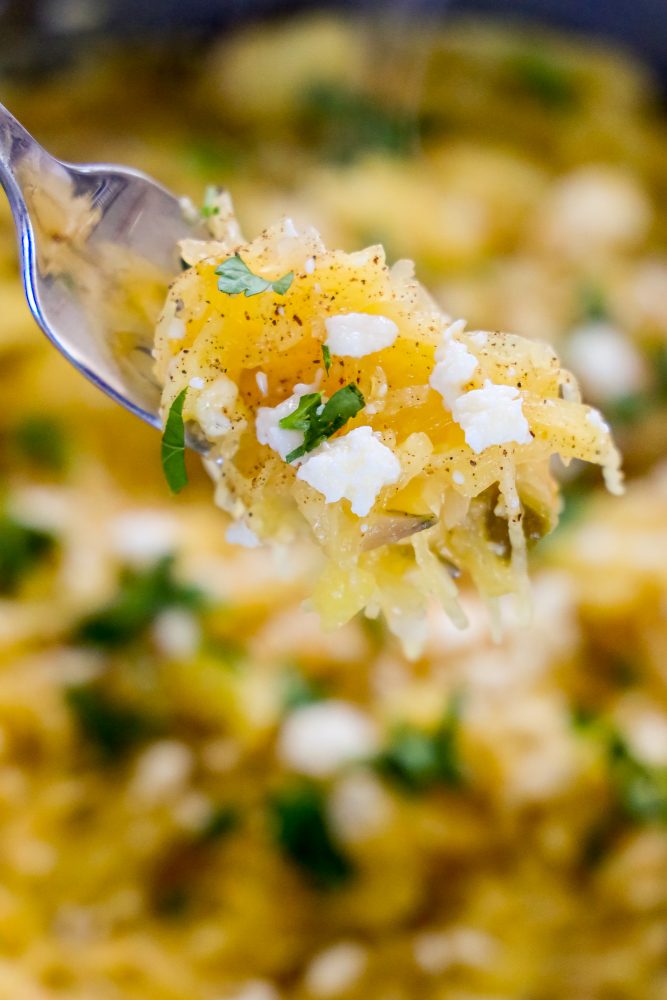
80, 227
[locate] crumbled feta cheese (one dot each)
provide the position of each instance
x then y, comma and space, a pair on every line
289, 229
318, 739
280, 310
458, 478
595, 417
436, 951
479, 338
605, 361
139, 537
176, 633
176, 329
253, 989
454, 367
359, 807
213, 406
309, 266
262, 381
238, 533
355, 466
491, 415
267, 423
335, 970
196, 382
354, 335
162, 771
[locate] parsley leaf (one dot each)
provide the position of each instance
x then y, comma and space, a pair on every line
416, 760
544, 78
141, 597
641, 789
173, 446
318, 422
326, 357
42, 441
111, 726
302, 832
209, 208
235, 277
21, 548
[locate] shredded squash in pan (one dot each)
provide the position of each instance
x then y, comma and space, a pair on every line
333, 395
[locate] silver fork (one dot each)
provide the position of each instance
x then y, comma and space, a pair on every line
81, 228
111, 218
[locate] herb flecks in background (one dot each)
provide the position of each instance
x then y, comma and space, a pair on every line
320, 421
112, 727
142, 596
301, 829
42, 441
417, 760
173, 446
235, 277
22, 548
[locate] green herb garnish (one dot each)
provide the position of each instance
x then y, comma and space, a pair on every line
319, 421
111, 726
234, 277
417, 760
299, 690
173, 446
209, 208
222, 821
326, 357
302, 832
545, 79
141, 597
641, 788
42, 441
21, 549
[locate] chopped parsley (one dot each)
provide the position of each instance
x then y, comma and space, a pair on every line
173, 446
222, 821
43, 442
545, 79
326, 357
641, 789
21, 549
110, 726
235, 277
141, 597
350, 123
301, 830
319, 421
209, 207
417, 761
299, 690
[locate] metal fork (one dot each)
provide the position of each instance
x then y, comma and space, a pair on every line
81, 229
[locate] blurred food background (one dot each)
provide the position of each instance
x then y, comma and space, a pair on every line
202, 796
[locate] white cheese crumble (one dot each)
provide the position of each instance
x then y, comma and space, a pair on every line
140, 537
605, 361
238, 533
479, 338
197, 382
176, 329
491, 415
454, 368
335, 970
458, 478
162, 771
595, 418
309, 266
318, 739
267, 423
262, 380
355, 467
213, 406
354, 335
176, 633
